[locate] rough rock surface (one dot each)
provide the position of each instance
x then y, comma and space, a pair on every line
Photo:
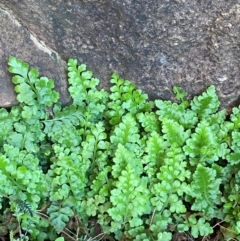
156, 44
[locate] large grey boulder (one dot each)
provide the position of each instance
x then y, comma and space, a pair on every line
156, 44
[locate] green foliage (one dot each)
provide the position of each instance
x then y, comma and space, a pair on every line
205, 104
197, 226
205, 190
59, 214
140, 170
124, 98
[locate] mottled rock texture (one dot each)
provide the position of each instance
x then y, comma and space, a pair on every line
156, 44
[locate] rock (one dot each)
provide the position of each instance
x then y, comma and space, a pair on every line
155, 44
17, 40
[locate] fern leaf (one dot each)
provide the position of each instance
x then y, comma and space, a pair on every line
7, 120
21, 177
149, 122
203, 145
129, 198
122, 157
231, 201
198, 227
174, 133
69, 174
32, 91
125, 98
160, 222
138, 234
59, 215
83, 87
126, 133
167, 192
96, 149
205, 104
176, 112
234, 156
205, 190
18, 67
235, 117
64, 127
83, 90
156, 151
180, 95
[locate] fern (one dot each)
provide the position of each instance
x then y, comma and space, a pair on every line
205, 189
36, 93
176, 112
205, 104
149, 121
197, 226
167, 193
68, 175
129, 199
7, 120
234, 156
59, 214
126, 133
20, 171
83, 90
156, 151
174, 133
124, 98
235, 117
142, 170
231, 205
180, 95
172, 184
203, 146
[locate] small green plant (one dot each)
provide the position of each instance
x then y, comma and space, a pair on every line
114, 165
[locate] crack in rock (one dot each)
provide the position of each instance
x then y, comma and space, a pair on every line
39, 43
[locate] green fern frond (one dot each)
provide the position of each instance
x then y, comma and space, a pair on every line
197, 226
68, 174
59, 214
127, 134
149, 121
83, 90
205, 104
235, 117
205, 189
168, 191
95, 148
124, 156
32, 91
125, 98
80, 81
174, 133
234, 156
65, 125
7, 120
159, 226
176, 112
156, 151
17, 168
129, 199
231, 203
180, 95
203, 145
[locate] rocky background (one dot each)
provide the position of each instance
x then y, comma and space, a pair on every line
156, 44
